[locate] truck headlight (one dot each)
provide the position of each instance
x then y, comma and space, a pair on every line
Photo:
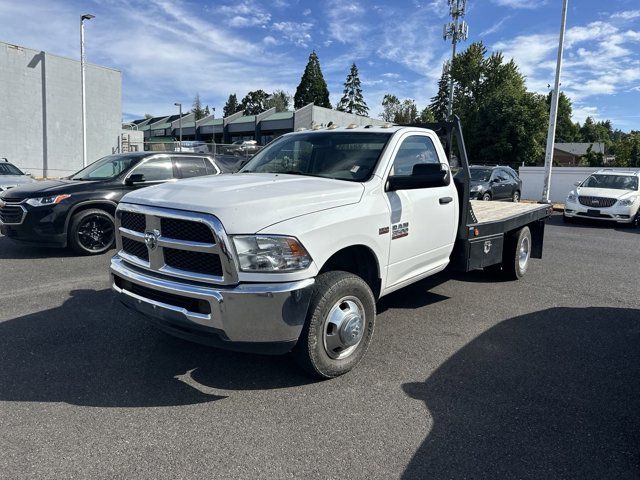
42, 201
627, 202
263, 253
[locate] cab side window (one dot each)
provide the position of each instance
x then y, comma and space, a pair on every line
156, 170
414, 150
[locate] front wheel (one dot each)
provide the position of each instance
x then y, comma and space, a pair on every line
515, 198
92, 232
339, 325
486, 197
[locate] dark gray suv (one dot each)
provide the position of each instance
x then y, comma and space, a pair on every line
495, 183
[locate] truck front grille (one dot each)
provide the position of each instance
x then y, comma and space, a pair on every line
175, 243
135, 248
11, 214
133, 221
597, 202
186, 230
199, 262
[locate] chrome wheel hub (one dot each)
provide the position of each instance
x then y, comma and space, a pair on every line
523, 254
344, 328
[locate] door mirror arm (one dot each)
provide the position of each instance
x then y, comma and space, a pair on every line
134, 179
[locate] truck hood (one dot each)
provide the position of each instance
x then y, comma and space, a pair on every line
249, 202
605, 192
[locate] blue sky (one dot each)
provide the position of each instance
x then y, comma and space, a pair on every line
169, 50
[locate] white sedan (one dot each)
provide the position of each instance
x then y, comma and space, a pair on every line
606, 195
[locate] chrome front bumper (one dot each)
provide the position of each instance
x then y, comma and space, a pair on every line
268, 316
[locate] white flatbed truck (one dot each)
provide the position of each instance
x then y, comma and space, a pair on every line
292, 253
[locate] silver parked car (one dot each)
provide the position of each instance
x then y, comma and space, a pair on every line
11, 176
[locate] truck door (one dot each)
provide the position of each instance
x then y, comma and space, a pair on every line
423, 221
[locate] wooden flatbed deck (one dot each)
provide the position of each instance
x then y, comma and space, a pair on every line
487, 212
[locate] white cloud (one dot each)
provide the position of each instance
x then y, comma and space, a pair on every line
521, 4
306, 12
626, 15
244, 14
269, 40
390, 75
495, 27
297, 33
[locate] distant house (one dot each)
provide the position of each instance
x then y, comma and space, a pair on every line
568, 154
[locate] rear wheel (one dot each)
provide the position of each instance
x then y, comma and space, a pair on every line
517, 254
92, 232
339, 325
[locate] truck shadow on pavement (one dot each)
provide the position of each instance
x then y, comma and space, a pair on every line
91, 351
551, 394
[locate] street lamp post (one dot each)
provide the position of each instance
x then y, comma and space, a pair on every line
86, 16
179, 105
553, 113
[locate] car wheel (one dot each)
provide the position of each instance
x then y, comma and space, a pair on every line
517, 254
486, 197
515, 197
339, 325
92, 232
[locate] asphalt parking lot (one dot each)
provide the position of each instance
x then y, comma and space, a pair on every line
466, 378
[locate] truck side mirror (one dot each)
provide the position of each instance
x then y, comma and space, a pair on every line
135, 178
424, 175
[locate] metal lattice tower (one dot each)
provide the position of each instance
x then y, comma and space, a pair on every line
457, 30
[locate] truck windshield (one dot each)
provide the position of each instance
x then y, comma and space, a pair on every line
350, 156
617, 182
107, 167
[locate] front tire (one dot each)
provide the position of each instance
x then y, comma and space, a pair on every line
486, 197
92, 232
517, 254
515, 198
339, 325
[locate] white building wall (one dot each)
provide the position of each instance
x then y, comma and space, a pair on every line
562, 181
40, 117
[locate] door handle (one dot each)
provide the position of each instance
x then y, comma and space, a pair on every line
445, 200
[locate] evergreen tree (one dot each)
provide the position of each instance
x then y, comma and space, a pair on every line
439, 103
197, 109
352, 100
312, 87
207, 112
634, 157
427, 116
231, 106
254, 102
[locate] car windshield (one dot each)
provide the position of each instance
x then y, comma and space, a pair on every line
616, 182
339, 155
107, 167
9, 169
480, 174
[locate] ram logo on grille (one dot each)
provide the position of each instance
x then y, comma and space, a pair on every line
151, 239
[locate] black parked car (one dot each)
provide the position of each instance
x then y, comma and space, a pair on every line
79, 211
495, 183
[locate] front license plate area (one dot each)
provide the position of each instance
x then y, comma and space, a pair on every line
593, 213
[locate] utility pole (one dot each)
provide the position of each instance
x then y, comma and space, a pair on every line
457, 31
553, 114
86, 16
179, 105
